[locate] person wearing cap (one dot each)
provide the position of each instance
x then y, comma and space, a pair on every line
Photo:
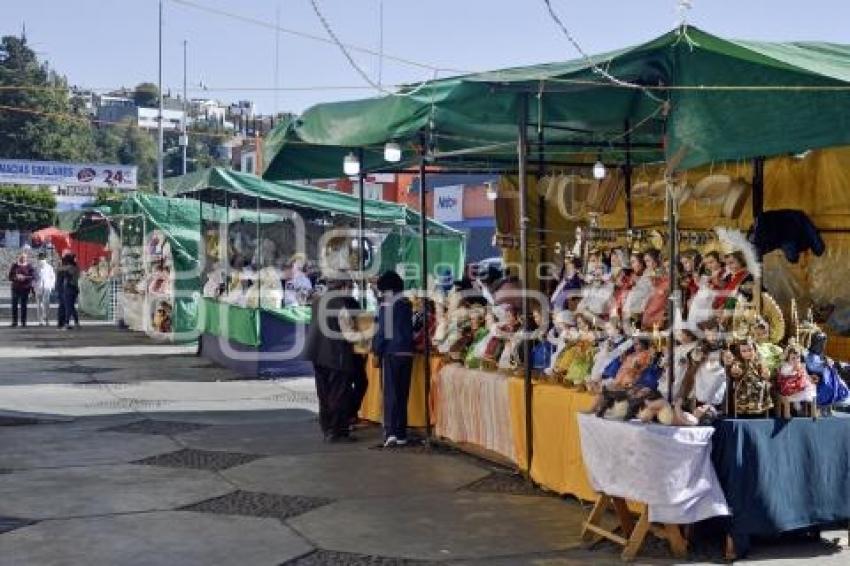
22, 275
393, 346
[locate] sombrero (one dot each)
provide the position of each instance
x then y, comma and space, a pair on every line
606, 192
564, 196
657, 190
736, 198
712, 187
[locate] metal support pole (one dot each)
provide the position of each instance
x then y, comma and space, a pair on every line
184, 138
160, 148
361, 225
423, 286
627, 173
522, 158
673, 290
259, 252
224, 243
543, 256
758, 209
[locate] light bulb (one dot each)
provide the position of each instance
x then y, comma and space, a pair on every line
351, 165
599, 170
392, 152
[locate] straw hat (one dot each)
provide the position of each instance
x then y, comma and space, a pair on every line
565, 196
640, 189
605, 193
657, 190
712, 186
736, 198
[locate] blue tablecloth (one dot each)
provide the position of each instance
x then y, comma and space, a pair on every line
783, 475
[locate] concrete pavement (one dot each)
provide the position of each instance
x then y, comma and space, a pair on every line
140, 454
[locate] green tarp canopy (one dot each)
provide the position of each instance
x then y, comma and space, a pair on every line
401, 246
721, 100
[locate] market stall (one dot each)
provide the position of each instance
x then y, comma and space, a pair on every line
659, 154
273, 247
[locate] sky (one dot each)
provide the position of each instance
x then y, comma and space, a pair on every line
106, 44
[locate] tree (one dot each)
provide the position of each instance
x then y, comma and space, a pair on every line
26, 208
38, 121
146, 95
138, 148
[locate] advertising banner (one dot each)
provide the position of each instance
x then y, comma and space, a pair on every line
448, 203
22, 172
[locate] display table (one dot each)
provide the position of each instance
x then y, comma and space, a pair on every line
255, 342
473, 407
667, 467
782, 475
372, 407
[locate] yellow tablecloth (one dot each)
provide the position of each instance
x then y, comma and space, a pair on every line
372, 408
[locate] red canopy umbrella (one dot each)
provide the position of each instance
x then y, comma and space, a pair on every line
60, 239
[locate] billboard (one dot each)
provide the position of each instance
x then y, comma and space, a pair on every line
448, 203
100, 176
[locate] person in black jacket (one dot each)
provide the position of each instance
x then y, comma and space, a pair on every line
393, 346
335, 364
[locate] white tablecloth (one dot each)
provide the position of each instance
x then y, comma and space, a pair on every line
667, 467
473, 406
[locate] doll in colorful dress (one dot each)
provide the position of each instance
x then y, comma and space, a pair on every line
609, 356
575, 362
752, 387
794, 384
655, 307
633, 365
541, 347
559, 337
831, 389
509, 333
598, 288
479, 323
770, 354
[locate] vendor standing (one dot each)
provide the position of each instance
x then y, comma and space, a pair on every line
335, 363
393, 346
22, 276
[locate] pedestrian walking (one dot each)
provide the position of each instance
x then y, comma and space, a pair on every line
22, 275
393, 347
44, 286
335, 363
69, 272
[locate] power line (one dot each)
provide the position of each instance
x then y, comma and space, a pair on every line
313, 37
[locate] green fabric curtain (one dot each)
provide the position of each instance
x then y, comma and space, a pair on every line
719, 99
95, 298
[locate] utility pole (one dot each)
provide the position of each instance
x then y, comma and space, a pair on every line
159, 159
184, 136
276, 56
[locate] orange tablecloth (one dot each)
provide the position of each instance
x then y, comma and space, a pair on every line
372, 408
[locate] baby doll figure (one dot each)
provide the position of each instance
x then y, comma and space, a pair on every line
633, 365
598, 289
480, 332
541, 347
610, 355
770, 354
575, 362
794, 383
509, 332
752, 388
559, 338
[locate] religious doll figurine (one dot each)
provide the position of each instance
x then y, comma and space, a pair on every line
570, 283
639, 294
610, 355
633, 364
686, 341
624, 282
575, 361
559, 338
479, 328
598, 287
752, 388
831, 389
541, 347
794, 384
655, 307
712, 279
739, 281
509, 332
619, 261
704, 383
689, 280
770, 354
